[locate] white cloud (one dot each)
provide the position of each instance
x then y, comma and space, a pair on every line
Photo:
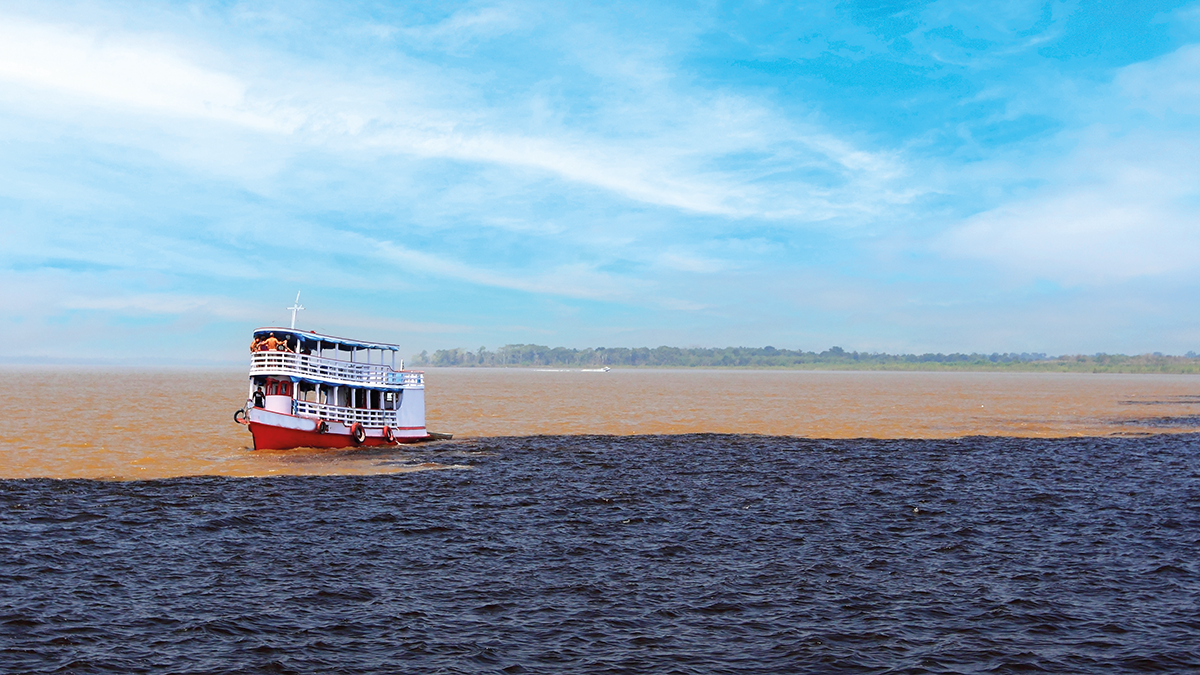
1120, 204
681, 305
465, 28
1168, 83
681, 260
1087, 235
124, 71
577, 280
1114, 209
669, 150
374, 324
138, 304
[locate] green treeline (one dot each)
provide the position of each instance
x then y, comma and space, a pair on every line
834, 358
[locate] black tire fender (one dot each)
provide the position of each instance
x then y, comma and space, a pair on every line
239, 416
358, 434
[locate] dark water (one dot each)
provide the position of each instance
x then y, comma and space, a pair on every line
665, 554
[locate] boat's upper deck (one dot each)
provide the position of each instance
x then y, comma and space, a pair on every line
296, 354
314, 341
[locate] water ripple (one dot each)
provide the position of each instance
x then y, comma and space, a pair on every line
675, 554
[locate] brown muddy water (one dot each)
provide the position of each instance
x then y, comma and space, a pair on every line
134, 424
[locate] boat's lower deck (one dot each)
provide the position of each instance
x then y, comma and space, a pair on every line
267, 437
278, 431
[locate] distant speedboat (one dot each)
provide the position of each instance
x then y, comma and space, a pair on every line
605, 369
320, 391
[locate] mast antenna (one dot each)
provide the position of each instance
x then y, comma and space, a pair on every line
296, 306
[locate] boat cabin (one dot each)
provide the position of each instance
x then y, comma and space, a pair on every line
340, 385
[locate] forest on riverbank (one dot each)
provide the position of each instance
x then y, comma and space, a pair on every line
834, 358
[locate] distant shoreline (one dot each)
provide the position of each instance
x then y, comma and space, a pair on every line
917, 368
769, 358
1147, 364
920, 368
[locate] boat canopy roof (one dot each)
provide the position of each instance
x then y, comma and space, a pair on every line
312, 336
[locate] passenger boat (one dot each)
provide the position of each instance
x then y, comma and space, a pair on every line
320, 391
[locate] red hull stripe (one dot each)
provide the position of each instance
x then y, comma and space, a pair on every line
267, 437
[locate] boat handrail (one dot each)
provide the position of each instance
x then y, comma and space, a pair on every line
333, 413
331, 370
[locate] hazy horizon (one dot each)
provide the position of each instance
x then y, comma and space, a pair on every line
412, 360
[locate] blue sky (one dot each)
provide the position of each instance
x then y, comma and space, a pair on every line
882, 176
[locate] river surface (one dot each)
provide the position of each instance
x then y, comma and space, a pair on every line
625, 554
128, 424
622, 522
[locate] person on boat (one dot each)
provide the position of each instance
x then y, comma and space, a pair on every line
254, 344
271, 343
259, 400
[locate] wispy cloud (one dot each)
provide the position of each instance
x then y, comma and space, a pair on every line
163, 304
462, 30
123, 70
682, 167
1170, 83
1118, 205
1090, 235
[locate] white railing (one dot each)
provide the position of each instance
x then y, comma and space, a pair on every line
369, 418
331, 370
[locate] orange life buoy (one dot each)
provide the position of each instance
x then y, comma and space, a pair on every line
358, 434
389, 434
